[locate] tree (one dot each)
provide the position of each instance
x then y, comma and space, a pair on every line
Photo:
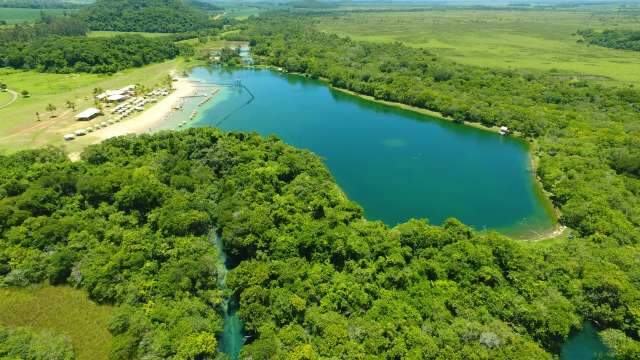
25, 93
71, 105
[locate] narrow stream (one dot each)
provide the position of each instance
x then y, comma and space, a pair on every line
232, 336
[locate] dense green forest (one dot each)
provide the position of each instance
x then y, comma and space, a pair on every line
59, 45
164, 16
81, 54
587, 135
615, 39
132, 224
22, 343
46, 26
37, 4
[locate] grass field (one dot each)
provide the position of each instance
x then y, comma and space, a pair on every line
60, 310
526, 39
15, 15
115, 33
5, 97
19, 126
241, 12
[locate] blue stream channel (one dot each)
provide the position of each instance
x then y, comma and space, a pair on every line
232, 336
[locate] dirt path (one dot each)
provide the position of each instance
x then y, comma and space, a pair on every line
15, 97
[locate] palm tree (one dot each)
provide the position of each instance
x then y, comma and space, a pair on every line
51, 108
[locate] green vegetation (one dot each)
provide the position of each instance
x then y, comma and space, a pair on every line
60, 45
131, 224
615, 39
532, 39
37, 4
92, 34
105, 55
24, 344
50, 310
18, 15
566, 117
163, 16
124, 246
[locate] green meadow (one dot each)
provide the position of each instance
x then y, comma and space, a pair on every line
526, 39
16, 15
51, 309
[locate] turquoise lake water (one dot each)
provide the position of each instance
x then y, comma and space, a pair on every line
585, 345
396, 164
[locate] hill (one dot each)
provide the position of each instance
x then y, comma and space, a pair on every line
164, 16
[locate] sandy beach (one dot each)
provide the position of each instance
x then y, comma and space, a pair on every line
151, 117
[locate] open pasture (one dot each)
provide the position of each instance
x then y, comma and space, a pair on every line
525, 39
59, 310
17, 15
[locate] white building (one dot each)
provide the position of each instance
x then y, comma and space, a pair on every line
88, 114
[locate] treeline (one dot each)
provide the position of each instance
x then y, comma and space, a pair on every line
163, 16
132, 224
615, 39
38, 4
60, 54
585, 132
46, 26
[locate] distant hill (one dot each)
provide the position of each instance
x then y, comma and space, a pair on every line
204, 5
312, 4
164, 16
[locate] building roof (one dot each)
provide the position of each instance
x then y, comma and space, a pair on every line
90, 112
116, 97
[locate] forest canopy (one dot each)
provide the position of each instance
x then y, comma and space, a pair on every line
132, 224
65, 54
162, 16
615, 39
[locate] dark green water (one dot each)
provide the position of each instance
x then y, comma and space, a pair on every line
396, 164
585, 345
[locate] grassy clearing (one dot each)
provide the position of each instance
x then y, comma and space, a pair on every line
19, 126
16, 15
5, 97
539, 40
61, 310
116, 33
242, 12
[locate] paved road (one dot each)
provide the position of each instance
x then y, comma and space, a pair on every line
15, 97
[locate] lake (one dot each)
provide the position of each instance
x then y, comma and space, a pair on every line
585, 345
397, 164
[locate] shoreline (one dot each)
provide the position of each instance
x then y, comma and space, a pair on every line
150, 117
554, 212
